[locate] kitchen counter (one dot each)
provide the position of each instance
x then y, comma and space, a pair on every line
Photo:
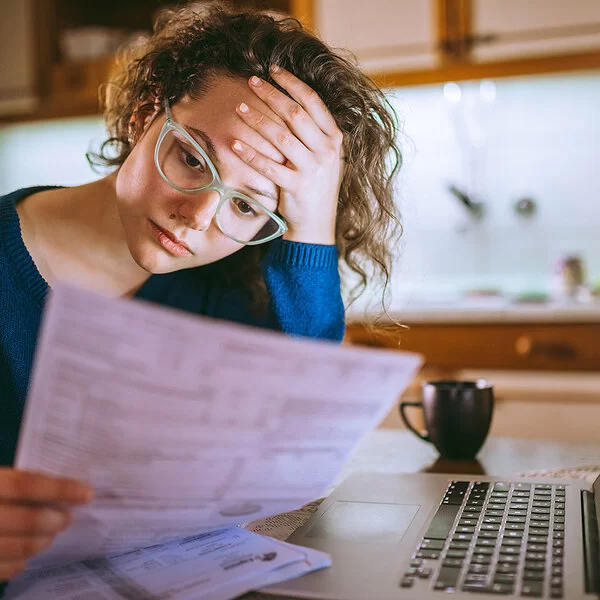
484, 311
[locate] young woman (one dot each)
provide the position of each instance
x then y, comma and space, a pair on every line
250, 160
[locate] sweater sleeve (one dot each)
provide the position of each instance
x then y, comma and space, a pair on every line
304, 288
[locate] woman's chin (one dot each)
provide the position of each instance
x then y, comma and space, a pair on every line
156, 262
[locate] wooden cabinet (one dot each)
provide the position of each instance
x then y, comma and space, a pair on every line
411, 42
512, 346
517, 29
398, 42
384, 35
40, 81
18, 82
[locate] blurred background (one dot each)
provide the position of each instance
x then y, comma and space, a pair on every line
498, 274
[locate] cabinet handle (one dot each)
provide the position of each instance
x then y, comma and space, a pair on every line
523, 345
527, 346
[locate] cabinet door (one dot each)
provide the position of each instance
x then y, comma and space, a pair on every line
17, 57
534, 28
384, 35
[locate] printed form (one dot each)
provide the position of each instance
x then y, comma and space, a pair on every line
184, 424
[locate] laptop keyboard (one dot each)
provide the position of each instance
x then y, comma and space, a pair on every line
494, 538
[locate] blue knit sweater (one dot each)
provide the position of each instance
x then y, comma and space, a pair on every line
302, 280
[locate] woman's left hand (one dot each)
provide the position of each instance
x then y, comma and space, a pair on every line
310, 140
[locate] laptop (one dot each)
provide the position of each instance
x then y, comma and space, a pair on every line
429, 536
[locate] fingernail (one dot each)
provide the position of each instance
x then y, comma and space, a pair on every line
83, 493
237, 146
275, 69
244, 108
254, 80
55, 520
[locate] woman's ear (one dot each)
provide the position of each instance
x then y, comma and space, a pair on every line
141, 119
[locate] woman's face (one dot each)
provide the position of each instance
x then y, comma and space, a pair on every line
167, 230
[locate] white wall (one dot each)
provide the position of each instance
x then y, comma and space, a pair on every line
48, 152
534, 136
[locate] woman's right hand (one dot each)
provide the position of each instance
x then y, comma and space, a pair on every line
34, 509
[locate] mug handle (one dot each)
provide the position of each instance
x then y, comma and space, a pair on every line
402, 407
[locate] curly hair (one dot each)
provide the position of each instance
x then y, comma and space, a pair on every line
190, 46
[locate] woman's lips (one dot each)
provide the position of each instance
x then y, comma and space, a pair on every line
169, 242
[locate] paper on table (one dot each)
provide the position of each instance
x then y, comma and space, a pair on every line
183, 423
213, 566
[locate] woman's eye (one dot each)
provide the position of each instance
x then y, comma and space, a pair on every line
191, 160
244, 207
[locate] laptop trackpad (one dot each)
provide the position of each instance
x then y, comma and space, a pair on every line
364, 522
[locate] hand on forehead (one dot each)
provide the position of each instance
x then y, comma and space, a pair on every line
215, 113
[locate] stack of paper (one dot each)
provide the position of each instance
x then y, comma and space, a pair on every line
185, 425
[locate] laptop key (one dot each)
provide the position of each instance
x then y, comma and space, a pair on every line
532, 589
533, 576
433, 554
429, 544
447, 578
442, 521
479, 569
510, 550
537, 539
481, 559
493, 588
465, 529
511, 541
452, 562
536, 547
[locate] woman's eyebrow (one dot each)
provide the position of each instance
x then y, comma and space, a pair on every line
211, 150
210, 147
263, 193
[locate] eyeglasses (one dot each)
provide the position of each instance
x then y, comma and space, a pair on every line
186, 167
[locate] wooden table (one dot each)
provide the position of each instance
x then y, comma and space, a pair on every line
389, 451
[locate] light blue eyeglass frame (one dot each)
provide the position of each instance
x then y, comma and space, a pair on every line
225, 193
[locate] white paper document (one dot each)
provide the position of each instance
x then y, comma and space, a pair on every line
184, 424
216, 565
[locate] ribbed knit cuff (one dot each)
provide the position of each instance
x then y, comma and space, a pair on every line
300, 254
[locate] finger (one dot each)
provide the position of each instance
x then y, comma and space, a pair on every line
278, 174
11, 569
32, 520
27, 486
254, 138
298, 120
19, 547
280, 137
307, 98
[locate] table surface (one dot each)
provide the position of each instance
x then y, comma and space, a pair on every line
400, 451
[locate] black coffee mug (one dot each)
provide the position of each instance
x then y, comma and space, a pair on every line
457, 415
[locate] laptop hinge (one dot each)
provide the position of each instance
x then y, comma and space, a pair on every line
591, 543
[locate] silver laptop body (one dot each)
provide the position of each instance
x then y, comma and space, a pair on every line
429, 536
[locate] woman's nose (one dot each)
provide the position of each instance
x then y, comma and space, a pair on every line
198, 210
